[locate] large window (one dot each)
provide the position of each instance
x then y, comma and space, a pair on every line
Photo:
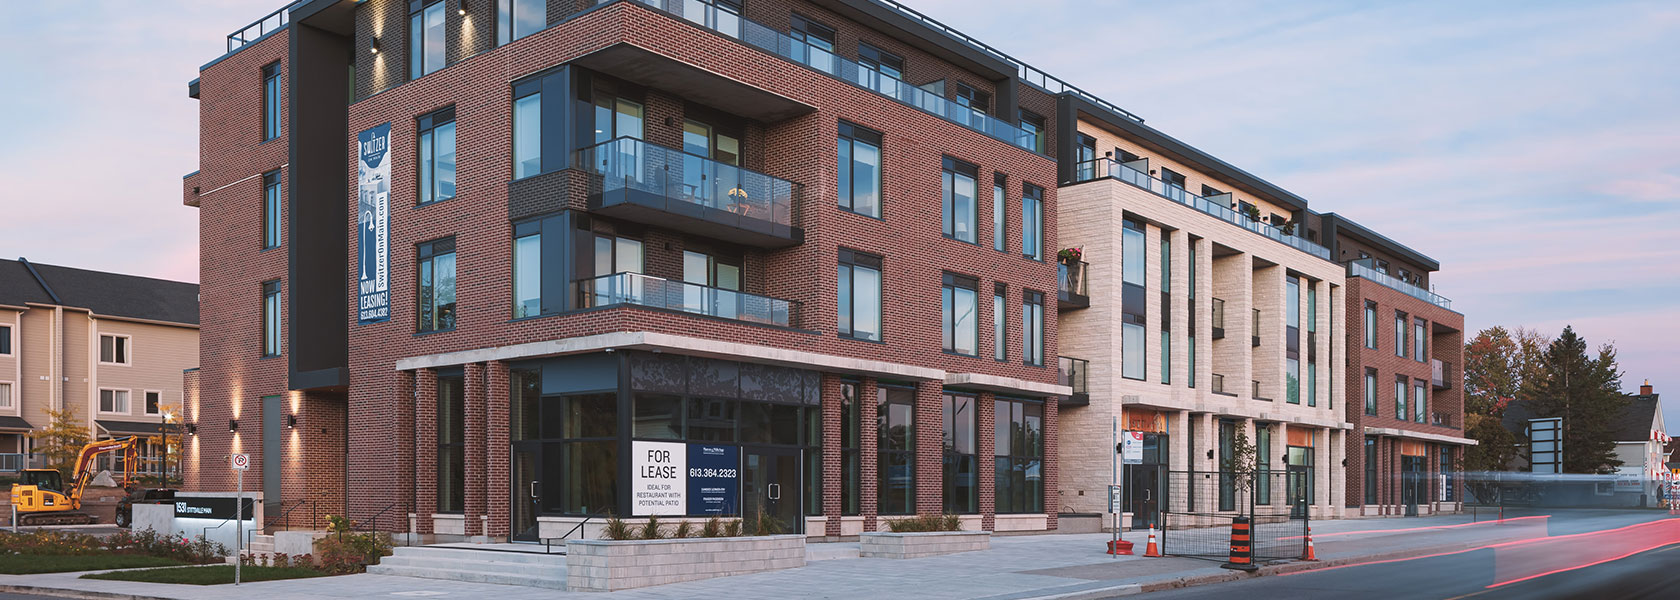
1018, 449
113, 401
1371, 470
999, 230
1370, 325
113, 349
271, 101
1263, 463
961, 215
1399, 333
271, 210
1000, 335
1166, 309
1032, 327
451, 442
527, 269
437, 285
518, 18
851, 447
1032, 221
271, 318
1370, 391
527, 130
426, 40
960, 297
1032, 126
1420, 340
962, 481
5, 339
814, 44
860, 295
860, 170
895, 417
1133, 275
1292, 332
979, 102
1400, 397
1420, 402
882, 70
437, 155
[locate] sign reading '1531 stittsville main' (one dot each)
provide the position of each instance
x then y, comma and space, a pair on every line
373, 224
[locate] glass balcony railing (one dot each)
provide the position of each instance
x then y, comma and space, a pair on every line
1362, 268
1218, 319
1440, 374
1219, 384
264, 26
632, 164
1072, 373
644, 290
1072, 290
727, 22
1109, 168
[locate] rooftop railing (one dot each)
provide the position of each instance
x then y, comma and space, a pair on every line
646, 290
261, 27
727, 22
630, 163
1362, 268
1109, 168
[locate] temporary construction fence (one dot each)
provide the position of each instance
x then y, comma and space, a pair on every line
1198, 508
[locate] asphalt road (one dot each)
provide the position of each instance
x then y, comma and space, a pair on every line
1649, 574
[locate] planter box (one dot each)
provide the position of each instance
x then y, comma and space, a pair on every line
917, 545
611, 565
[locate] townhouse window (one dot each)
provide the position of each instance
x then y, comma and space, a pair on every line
5, 339
113, 401
999, 334
998, 209
860, 170
437, 156
271, 101
1370, 470
860, 295
271, 210
851, 447
153, 402
960, 319
1174, 183
1032, 328
1085, 158
813, 44
895, 418
426, 39
962, 479
1400, 397
527, 129
1292, 342
977, 101
527, 269
518, 18
1420, 340
1018, 450
1133, 275
961, 214
1399, 334
1263, 463
113, 349
1032, 126
1370, 325
271, 318
882, 71
437, 285
1420, 402
1371, 391
1032, 221
5, 394
1209, 191
451, 442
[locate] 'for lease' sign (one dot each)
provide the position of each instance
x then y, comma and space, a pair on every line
659, 482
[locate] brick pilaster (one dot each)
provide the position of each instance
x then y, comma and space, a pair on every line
473, 430
986, 459
833, 429
425, 448
1052, 465
930, 448
497, 465
869, 482
402, 441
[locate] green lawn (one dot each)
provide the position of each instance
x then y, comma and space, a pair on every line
209, 575
23, 564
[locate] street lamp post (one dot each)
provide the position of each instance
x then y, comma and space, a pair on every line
169, 422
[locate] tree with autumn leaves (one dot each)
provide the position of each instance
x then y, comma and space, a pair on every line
1556, 378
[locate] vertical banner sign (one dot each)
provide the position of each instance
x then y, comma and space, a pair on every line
373, 223
660, 478
713, 479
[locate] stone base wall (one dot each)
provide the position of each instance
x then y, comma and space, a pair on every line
918, 545
610, 565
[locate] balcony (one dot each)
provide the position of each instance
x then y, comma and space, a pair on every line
1254, 391
1440, 374
667, 188
653, 292
1362, 268
1071, 372
271, 23
1218, 319
1441, 419
726, 21
1219, 385
1072, 292
1112, 169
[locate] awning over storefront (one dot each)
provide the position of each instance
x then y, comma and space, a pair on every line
130, 428
14, 424
1418, 435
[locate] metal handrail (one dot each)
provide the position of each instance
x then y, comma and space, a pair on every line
1362, 268
270, 23
657, 292
373, 522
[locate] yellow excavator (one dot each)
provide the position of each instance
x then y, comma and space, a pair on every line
41, 497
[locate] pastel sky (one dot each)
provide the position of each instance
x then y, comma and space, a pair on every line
1532, 147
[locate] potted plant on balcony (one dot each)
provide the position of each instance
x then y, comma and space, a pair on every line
1251, 211
1068, 256
1288, 227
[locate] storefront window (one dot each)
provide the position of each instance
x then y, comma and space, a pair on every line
896, 469
851, 447
1018, 439
961, 480
451, 438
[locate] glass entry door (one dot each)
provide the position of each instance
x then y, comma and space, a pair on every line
527, 490
770, 483
1411, 483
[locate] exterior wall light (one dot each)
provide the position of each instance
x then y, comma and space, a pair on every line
373, 45
291, 421
192, 428
233, 425
461, 8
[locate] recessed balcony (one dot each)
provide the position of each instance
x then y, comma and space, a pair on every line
1218, 319
1072, 290
1440, 374
658, 186
654, 292
1072, 372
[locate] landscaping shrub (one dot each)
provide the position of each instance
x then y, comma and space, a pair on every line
144, 542
766, 524
713, 528
925, 523
650, 530
617, 529
344, 551
684, 530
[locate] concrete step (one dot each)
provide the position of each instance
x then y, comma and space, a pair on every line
471, 576
488, 566
535, 558
475, 566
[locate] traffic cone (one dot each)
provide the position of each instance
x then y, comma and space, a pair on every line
1152, 551
1309, 555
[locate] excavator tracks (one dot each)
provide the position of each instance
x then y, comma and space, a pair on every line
70, 518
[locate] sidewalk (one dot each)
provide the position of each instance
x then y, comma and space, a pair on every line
1066, 567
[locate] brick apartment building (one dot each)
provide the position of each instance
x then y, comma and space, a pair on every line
1405, 355
595, 236
109, 348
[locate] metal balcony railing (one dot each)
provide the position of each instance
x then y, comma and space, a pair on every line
1218, 383
1218, 319
1072, 373
1441, 419
1440, 374
629, 163
644, 290
261, 27
11, 462
1071, 278
727, 22
1110, 168
1362, 268
1254, 328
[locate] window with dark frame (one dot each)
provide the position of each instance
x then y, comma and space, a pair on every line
271, 209
1032, 221
1400, 382
518, 18
113, 349
1420, 340
1400, 331
1018, 449
1000, 336
1370, 325
860, 292
271, 318
451, 443
895, 416
271, 101
978, 102
1032, 328
882, 64
1174, 183
851, 447
437, 285
961, 477
1420, 401
5, 340
527, 128
960, 210
427, 39
527, 269
1134, 271
154, 401
999, 212
1370, 391
960, 307
1033, 126
436, 155
1370, 470
860, 170
814, 44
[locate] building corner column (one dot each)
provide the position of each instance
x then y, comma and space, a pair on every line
833, 439
498, 486
425, 449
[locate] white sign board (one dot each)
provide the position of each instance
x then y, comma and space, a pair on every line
1131, 447
240, 462
1114, 500
1629, 479
659, 478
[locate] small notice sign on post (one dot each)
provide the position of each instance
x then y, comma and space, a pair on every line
240, 462
1114, 500
1131, 447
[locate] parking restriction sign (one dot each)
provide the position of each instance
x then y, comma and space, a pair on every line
241, 462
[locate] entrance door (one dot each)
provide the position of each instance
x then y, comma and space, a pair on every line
770, 483
1299, 484
527, 490
1411, 483
1145, 490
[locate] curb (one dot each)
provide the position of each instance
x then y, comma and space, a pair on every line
70, 593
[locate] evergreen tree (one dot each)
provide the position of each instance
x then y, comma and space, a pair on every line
1586, 392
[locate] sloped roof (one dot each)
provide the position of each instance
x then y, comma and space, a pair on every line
108, 294
1634, 424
